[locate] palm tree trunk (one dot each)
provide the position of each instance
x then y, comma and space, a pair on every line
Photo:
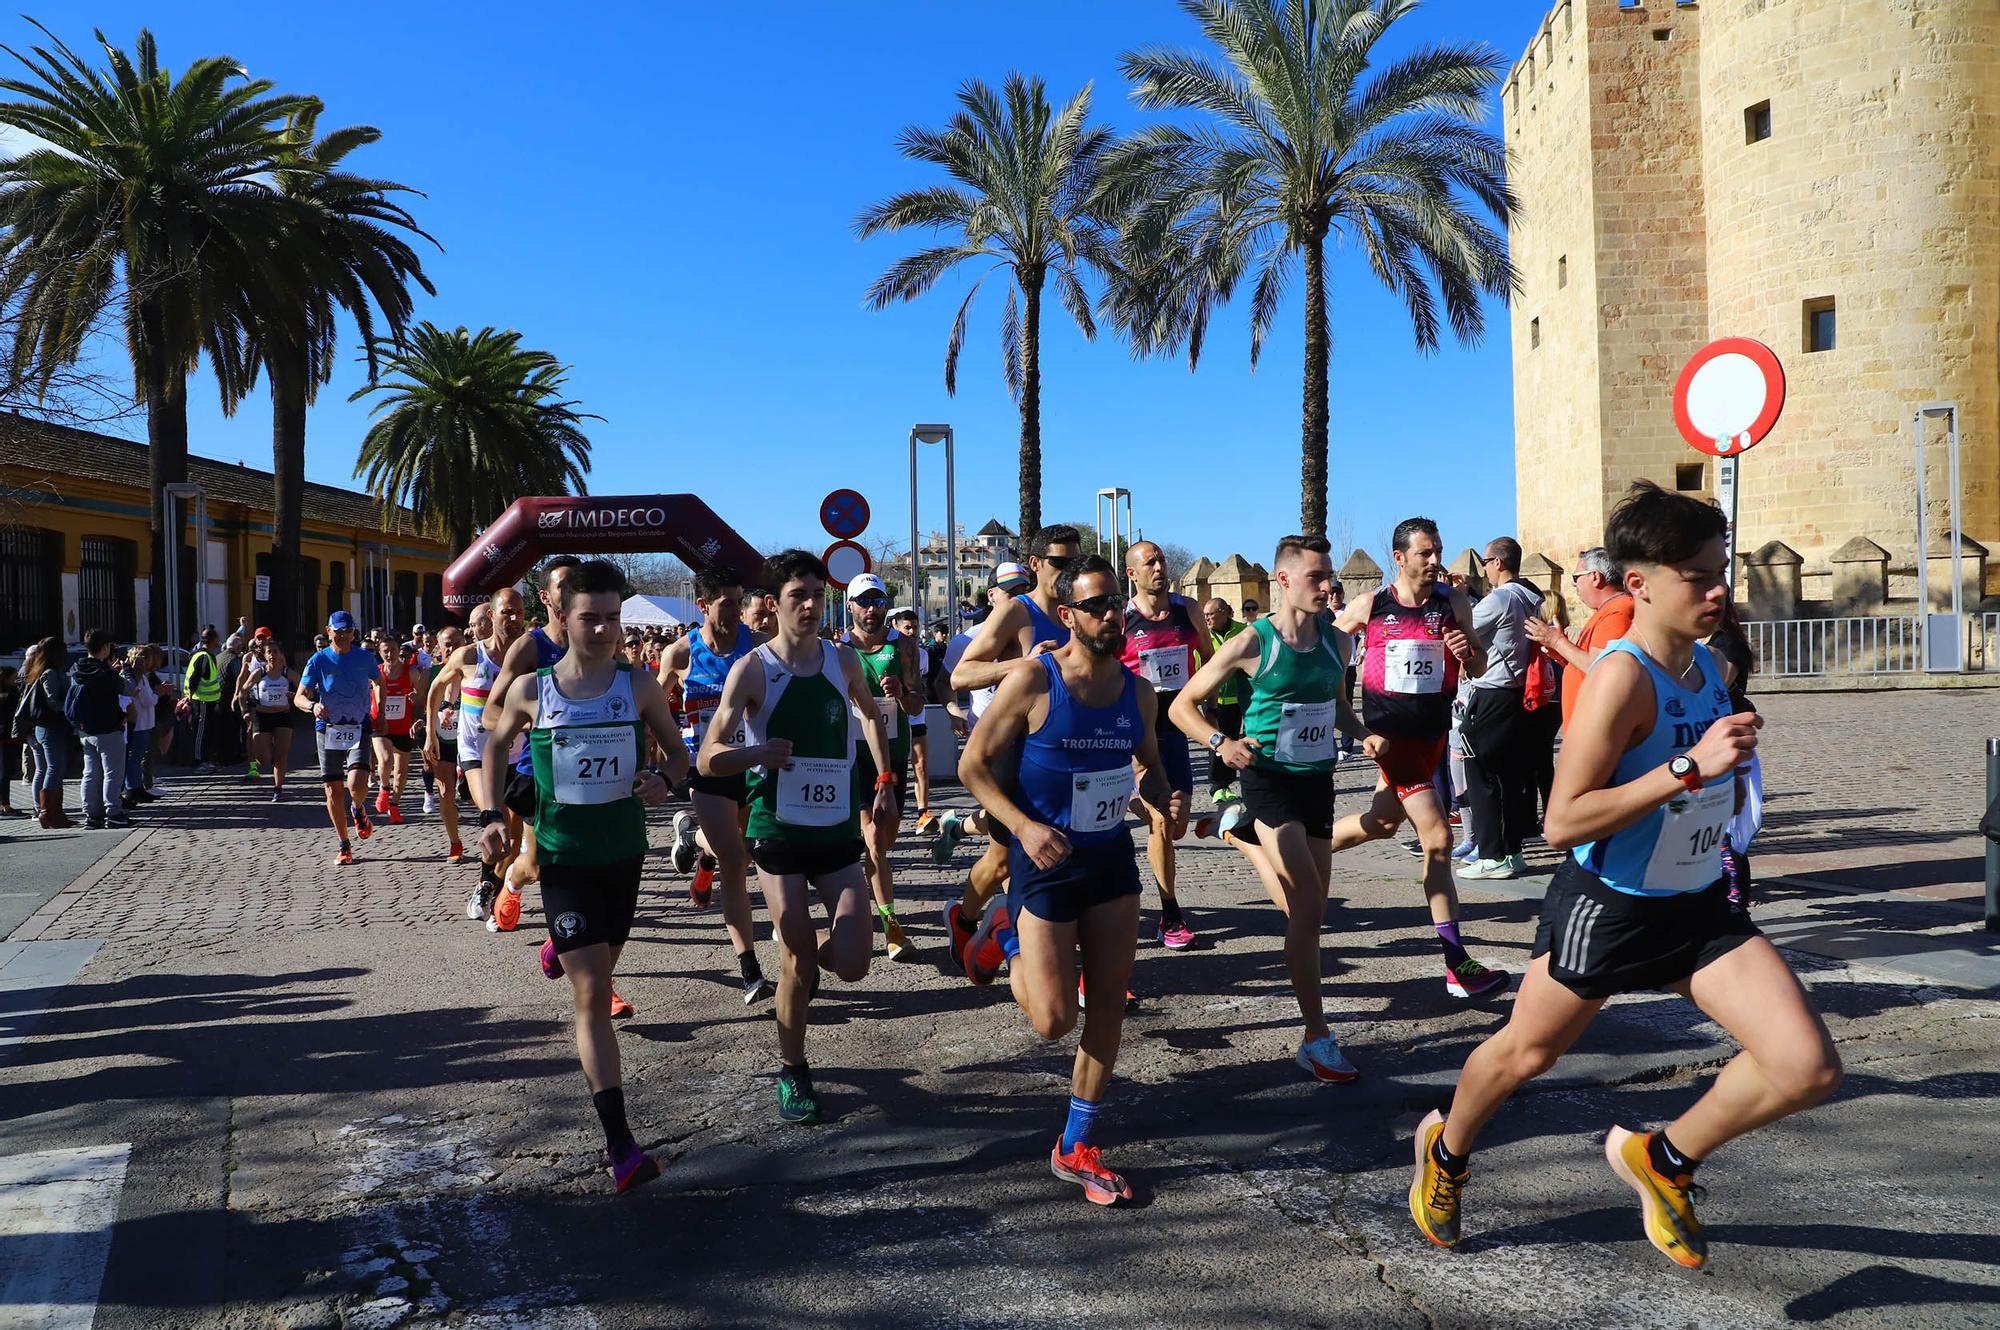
288, 480
166, 464
1031, 406
1312, 466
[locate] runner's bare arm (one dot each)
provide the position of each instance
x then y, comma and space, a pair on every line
1013, 711
674, 661
742, 695
1354, 618
504, 722
1474, 660
1153, 787
651, 699
1238, 654
519, 660
1614, 712
981, 666
912, 700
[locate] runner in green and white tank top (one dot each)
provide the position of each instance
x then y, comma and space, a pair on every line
811, 798
889, 663
880, 662
1294, 703
585, 752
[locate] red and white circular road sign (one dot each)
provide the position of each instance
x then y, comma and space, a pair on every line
1729, 395
844, 562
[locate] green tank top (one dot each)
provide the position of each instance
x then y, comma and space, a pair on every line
1292, 709
879, 663
583, 753
813, 799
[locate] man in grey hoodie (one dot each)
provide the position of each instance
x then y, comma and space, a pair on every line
1500, 770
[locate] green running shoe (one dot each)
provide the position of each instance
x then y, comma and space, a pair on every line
796, 1100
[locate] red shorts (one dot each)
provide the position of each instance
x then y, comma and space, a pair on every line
1410, 765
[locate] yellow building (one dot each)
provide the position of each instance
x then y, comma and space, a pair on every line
1821, 175
75, 548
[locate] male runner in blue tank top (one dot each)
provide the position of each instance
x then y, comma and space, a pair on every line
1017, 629
1051, 760
1644, 790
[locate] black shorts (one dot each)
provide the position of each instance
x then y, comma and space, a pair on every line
1092, 875
448, 752
864, 781
919, 728
1276, 797
809, 858
266, 722
735, 788
402, 743
521, 798
1602, 942
591, 903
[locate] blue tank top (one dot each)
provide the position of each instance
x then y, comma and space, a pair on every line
701, 689
1076, 770
1676, 848
1046, 629
547, 653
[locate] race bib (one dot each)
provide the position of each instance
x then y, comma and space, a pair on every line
447, 726
815, 791
271, 691
1413, 665
1306, 732
1098, 799
594, 765
1166, 668
344, 735
695, 730
395, 706
888, 708
1685, 857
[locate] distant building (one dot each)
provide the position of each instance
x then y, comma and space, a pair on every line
76, 545
978, 556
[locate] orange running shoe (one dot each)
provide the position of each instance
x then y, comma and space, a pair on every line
395, 815
506, 911
382, 802
345, 857
456, 855
620, 1008
701, 887
1085, 1167
362, 826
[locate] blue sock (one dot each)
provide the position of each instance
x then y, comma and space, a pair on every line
1454, 950
1009, 943
1076, 1131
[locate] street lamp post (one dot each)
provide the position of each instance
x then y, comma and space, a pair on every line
936, 434
1114, 496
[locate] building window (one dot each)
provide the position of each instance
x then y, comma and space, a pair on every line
30, 586
1661, 34
1534, 333
1819, 324
104, 587
336, 586
433, 599
1757, 122
406, 600
1689, 477
1562, 272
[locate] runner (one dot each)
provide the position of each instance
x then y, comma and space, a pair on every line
335, 691
537, 649
1287, 754
1019, 627
710, 838
1052, 760
265, 685
904, 620
584, 717
1418, 635
788, 704
441, 737
897, 688
471, 671
1646, 786
392, 718
760, 612
1164, 645
1226, 711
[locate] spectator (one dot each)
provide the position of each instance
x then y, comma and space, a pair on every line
10, 743
43, 686
145, 693
1499, 767
202, 697
1601, 587
96, 705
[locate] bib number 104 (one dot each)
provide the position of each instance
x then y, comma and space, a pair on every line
1703, 840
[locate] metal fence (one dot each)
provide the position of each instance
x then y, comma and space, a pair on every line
1799, 648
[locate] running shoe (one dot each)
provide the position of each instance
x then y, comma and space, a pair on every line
796, 1100
927, 822
430, 801
551, 960
1226, 795
1233, 817
395, 815
1083, 1004
951, 826
685, 848
1434, 1192
1487, 869
475, 904
1457, 819
957, 930
506, 912
382, 802
757, 990
254, 773
631, 1167
1470, 979
362, 826
456, 854
1466, 851
1176, 936
621, 1010
1085, 1167
345, 857
1323, 1060
893, 941
277, 796
1517, 863
701, 887
1666, 1203
983, 956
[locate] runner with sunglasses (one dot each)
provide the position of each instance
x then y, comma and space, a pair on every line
1053, 761
897, 686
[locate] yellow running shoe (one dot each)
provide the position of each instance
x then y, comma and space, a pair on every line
1667, 1203
893, 941
1434, 1192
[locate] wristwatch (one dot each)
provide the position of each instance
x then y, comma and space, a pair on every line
1684, 770
1217, 739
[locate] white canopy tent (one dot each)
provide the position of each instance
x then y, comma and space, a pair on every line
659, 612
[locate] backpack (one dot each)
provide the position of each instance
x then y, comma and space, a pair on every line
1540, 685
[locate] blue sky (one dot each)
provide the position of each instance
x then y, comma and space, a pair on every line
663, 196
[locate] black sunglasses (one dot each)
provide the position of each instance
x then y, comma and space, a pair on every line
870, 599
1112, 603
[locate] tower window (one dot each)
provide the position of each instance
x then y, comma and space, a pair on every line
1820, 324
1688, 477
1534, 333
1562, 272
1661, 34
1757, 122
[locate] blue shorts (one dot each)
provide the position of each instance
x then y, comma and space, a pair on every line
1093, 875
1175, 762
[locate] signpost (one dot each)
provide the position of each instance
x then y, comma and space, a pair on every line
1727, 398
844, 514
844, 562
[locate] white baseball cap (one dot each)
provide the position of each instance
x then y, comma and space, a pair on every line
866, 583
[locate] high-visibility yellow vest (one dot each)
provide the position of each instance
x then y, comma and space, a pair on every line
209, 687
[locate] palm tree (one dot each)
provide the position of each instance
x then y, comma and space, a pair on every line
153, 195
469, 423
1025, 180
341, 251
1306, 145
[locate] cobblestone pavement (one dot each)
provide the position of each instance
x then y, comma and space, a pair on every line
348, 1105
